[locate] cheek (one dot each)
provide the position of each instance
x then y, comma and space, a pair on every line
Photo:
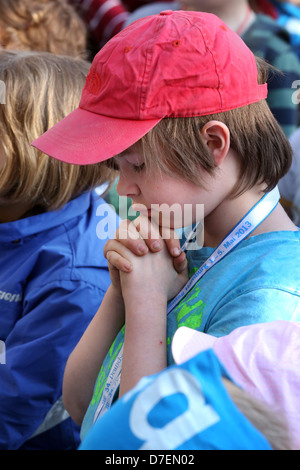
175, 210
174, 203
177, 215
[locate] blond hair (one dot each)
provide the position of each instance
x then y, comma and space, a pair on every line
268, 421
41, 89
175, 145
42, 25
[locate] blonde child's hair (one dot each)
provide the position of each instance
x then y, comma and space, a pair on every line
268, 421
175, 145
42, 25
41, 89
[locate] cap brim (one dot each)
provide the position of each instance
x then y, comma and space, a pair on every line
187, 343
84, 138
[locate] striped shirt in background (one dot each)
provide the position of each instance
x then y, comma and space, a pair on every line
270, 41
105, 18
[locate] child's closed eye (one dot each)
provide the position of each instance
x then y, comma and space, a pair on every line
138, 168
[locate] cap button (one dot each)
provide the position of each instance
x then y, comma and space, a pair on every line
166, 12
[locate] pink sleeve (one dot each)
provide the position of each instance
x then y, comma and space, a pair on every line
264, 360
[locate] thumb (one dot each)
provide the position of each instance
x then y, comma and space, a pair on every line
180, 263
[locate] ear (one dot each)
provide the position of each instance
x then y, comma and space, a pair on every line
216, 136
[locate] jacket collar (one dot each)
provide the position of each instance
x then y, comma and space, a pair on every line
29, 226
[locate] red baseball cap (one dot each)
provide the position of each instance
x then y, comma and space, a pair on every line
174, 64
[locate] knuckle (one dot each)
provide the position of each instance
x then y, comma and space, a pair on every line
109, 256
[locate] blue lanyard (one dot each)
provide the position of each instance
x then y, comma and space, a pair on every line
242, 230
252, 219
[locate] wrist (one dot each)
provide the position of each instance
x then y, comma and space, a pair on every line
145, 304
116, 295
145, 295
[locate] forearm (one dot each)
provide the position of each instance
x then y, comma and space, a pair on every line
85, 361
146, 288
145, 339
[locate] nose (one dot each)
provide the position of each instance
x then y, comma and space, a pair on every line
126, 186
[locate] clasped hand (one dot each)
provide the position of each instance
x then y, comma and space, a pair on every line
144, 259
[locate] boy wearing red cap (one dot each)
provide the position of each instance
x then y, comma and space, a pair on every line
177, 102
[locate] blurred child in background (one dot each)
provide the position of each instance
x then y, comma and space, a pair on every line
53, 274
42, 25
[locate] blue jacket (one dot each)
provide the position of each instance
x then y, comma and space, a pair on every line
53, 276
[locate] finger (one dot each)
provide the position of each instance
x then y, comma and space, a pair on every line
172, 241
118, 262
150, 233
115, 246
180, 263
129, 237
126, 230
